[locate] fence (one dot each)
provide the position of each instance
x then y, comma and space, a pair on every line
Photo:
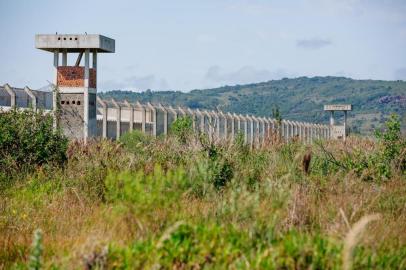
115, 118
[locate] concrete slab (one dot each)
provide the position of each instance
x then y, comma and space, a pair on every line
74, 43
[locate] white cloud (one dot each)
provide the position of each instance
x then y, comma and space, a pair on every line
313, 43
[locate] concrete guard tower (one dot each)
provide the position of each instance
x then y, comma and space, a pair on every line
76, 85
338, 131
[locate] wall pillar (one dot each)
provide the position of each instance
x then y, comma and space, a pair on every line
32, 97
153, 118
193, 115
217, 124
104, 113
232, 120
118, 119
165, 111
131, 120
12, 94
143, 116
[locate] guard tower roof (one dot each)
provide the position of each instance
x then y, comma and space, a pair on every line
74, 43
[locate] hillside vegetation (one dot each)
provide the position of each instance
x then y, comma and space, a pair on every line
298, 99
190, 202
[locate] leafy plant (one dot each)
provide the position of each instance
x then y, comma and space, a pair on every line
182, 128
27, 140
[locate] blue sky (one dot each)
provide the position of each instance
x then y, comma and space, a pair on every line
184, 45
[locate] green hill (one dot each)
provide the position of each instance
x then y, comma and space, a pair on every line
298, 99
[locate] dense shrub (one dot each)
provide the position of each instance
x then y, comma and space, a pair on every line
27, 140
392, 152
182, 128
135, 140
387, 157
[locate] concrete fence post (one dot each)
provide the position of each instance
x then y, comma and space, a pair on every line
296, 129
232, 127
143, 116
12, 94
299, 130
174, 112
286, 130
164, 110
131, 119
217, 124
32, 97
245, 130
118, 118
316, 133
256, 130
271, 127
193, 115
238, 122
210, 123
292, 129
223, 118
308, 133
153, 118
263, 130
313, 132
251, 127
328, 132
182, 111
320, 131
104, 114
303, 124
201, 124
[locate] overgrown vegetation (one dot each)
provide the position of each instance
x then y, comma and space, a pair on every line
190, 202
27, 141
377, 161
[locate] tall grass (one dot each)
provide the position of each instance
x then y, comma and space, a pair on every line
187, 202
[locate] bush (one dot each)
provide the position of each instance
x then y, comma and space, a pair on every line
393, 148
27, 140
387, 158
135, 140
182, 128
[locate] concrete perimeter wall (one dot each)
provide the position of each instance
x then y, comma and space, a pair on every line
113, 119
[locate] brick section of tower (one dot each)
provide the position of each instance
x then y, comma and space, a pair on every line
69, 76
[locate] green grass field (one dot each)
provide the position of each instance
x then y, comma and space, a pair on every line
188, 202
